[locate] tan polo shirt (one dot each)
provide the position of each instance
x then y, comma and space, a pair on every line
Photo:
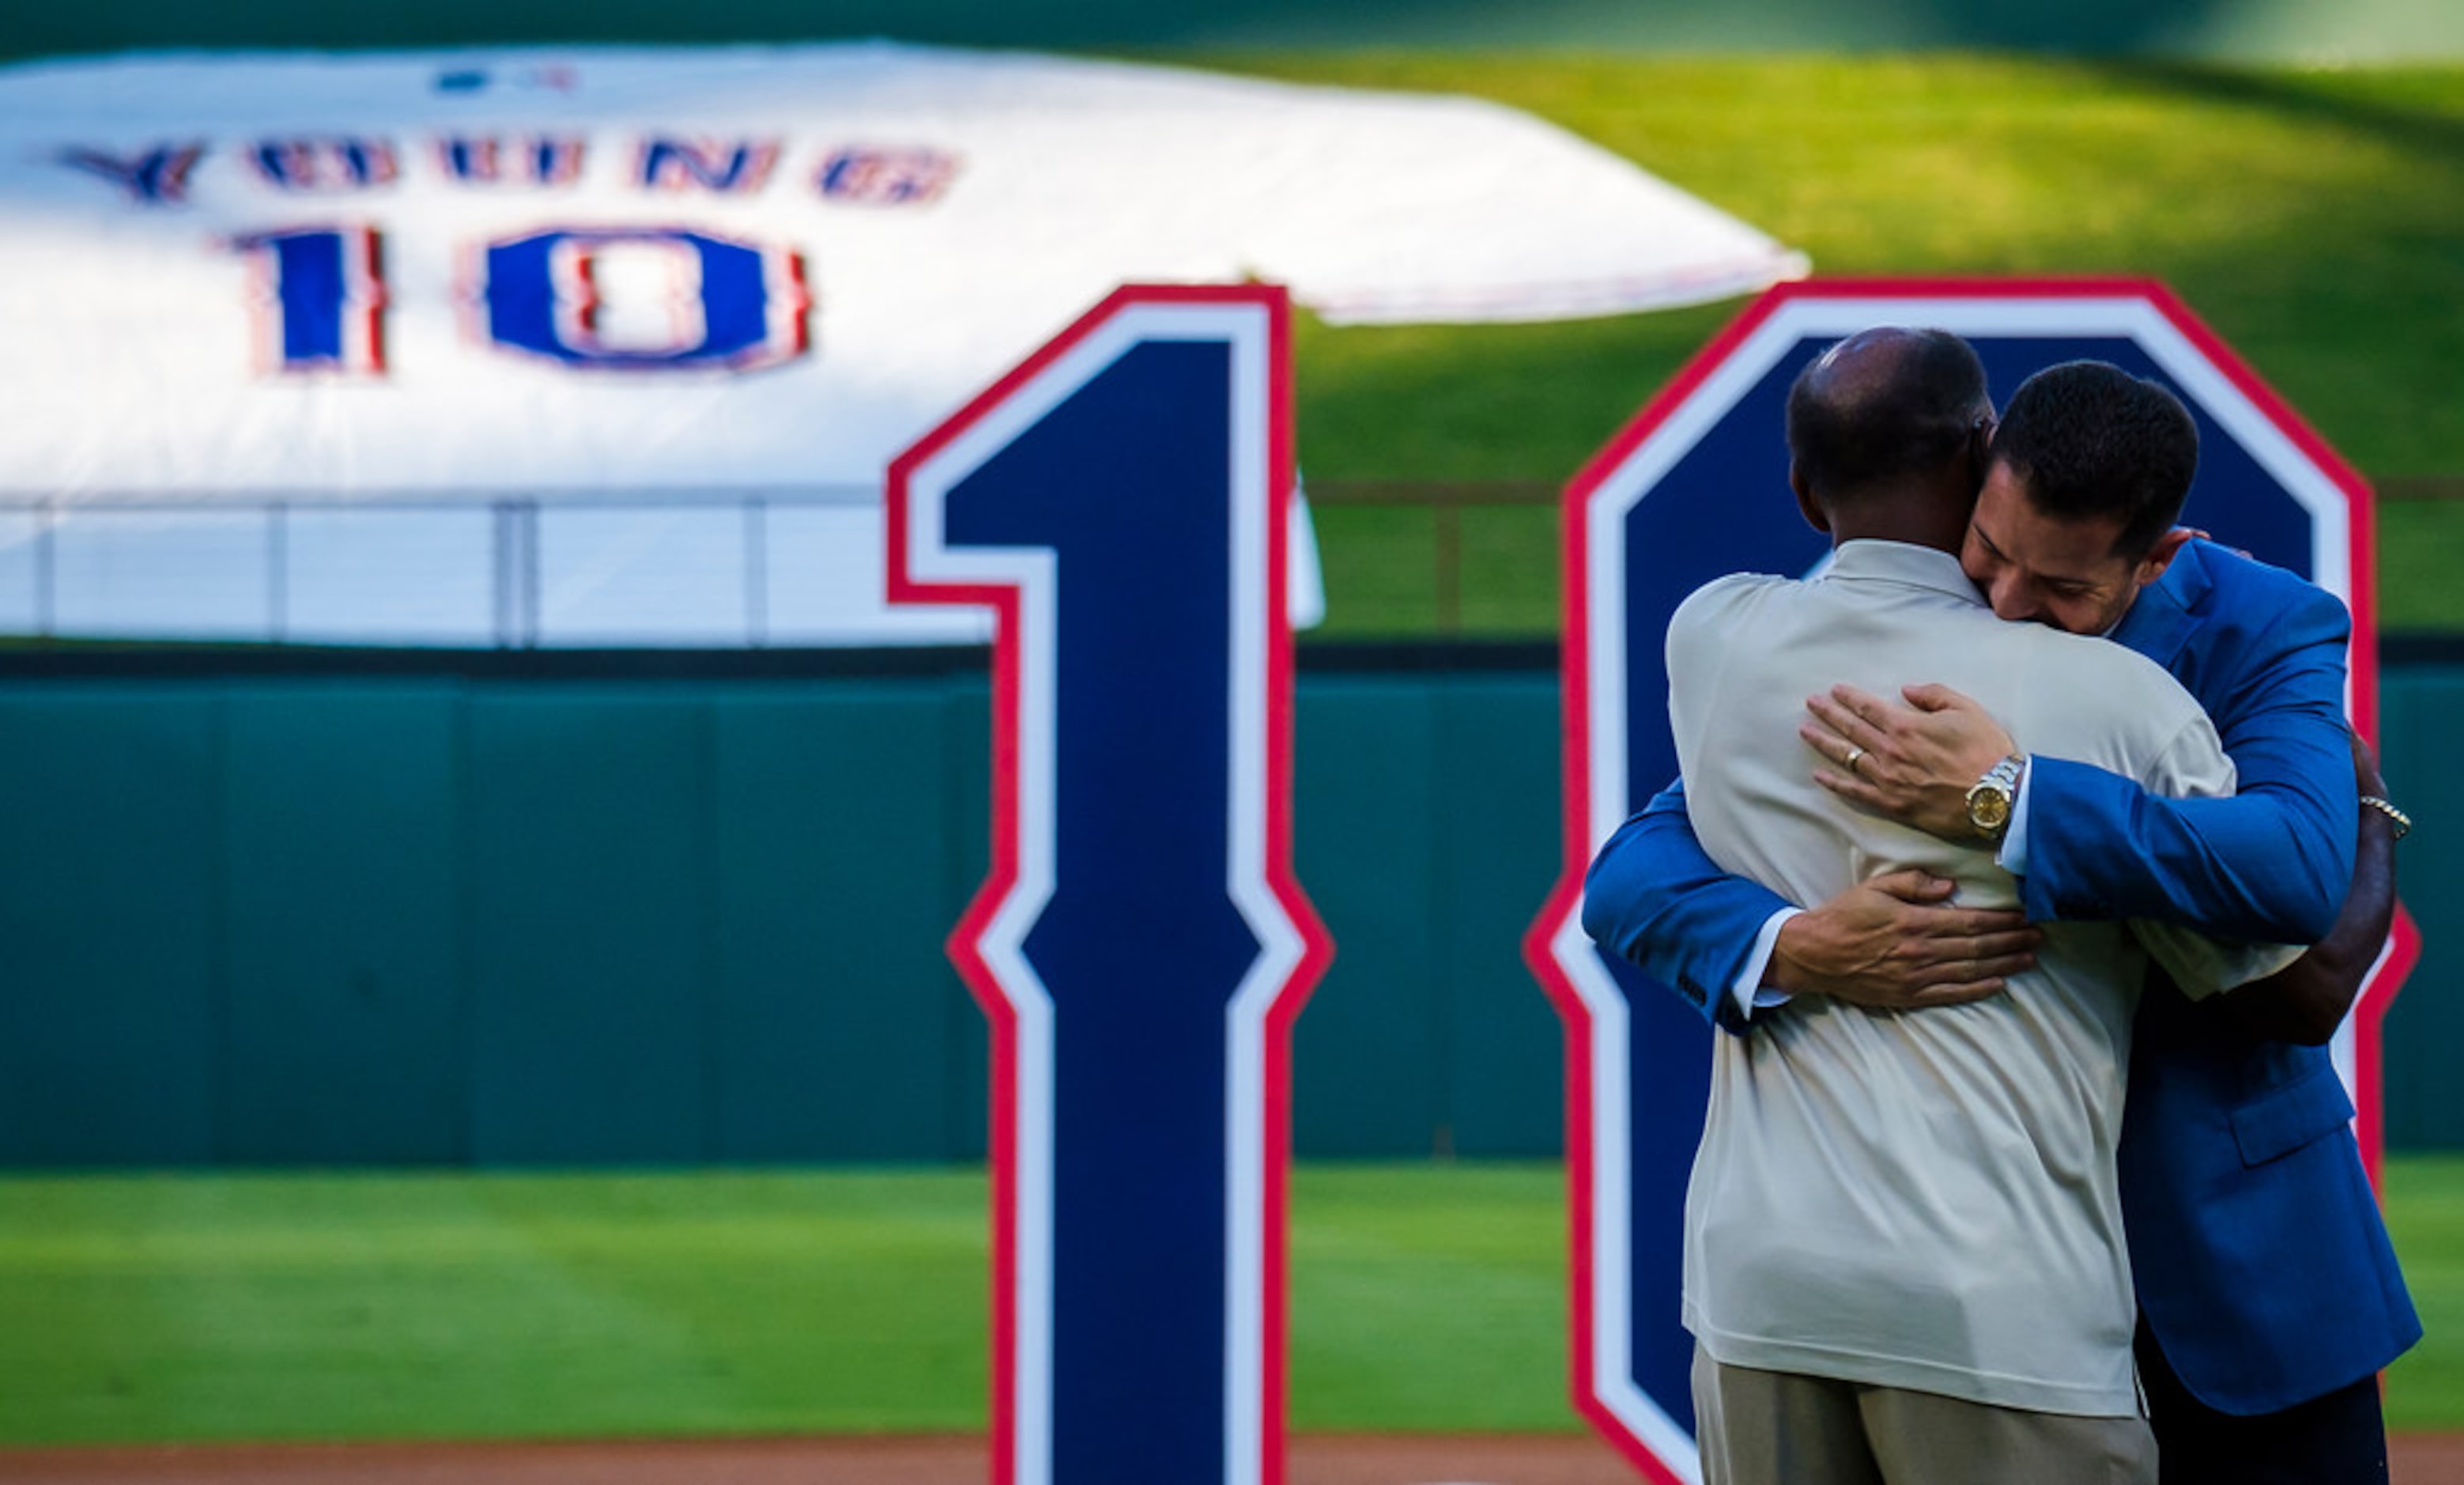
1921, 1199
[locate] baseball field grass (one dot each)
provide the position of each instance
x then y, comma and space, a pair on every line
1425, 1298
2315, 217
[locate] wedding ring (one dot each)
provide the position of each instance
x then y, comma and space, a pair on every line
1854, 754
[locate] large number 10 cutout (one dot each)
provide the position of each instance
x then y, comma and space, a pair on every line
1696, 488
1140, 946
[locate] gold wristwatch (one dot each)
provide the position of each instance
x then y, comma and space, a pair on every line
1990, 799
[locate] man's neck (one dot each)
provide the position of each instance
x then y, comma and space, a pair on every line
1942, 536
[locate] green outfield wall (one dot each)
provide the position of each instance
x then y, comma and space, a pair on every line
683, 919
2420, 722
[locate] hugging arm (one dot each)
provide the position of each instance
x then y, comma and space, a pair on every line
2273, 861
2268, 863
2282, 860
1656, 898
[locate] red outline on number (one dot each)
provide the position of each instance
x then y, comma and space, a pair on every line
2377, 993
378, 300
1317, 946
964, 939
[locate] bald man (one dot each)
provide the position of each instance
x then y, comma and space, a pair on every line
1904, 1258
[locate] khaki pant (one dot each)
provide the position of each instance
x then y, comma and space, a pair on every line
1769, 1427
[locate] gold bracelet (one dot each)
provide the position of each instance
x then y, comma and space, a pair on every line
2403, 821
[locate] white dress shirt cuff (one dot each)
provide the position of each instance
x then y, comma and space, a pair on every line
1749, 992
2014, 855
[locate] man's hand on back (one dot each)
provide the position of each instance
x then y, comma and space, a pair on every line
1913, 764
1895, 942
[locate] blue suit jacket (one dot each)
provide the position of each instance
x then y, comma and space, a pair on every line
2255, 1243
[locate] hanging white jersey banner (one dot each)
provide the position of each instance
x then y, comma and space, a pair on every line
612, 346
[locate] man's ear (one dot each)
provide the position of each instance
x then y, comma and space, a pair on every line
1806, 506
2161, 555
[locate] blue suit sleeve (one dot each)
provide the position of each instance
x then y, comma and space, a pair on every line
2273, 862
1656, 900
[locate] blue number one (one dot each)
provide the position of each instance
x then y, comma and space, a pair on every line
1140, 947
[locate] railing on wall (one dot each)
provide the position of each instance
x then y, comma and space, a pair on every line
2419, 487
724, 568
1447, 502
766, 567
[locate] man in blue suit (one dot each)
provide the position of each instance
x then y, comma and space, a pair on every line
2269, 1295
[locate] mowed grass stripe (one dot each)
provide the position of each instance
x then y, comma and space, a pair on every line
369, 1306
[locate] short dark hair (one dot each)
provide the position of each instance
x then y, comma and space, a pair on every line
1901, 414
2089, 440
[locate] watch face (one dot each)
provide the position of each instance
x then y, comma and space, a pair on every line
1989, 810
